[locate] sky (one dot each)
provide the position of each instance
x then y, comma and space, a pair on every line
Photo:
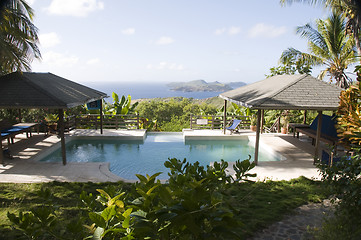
101, 41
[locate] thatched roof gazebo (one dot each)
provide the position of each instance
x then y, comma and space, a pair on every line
44, 90
286, 92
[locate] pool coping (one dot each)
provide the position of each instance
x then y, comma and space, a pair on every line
104, 173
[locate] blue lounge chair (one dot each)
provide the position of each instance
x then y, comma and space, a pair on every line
234, 126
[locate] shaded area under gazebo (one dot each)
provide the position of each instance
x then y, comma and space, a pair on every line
44, 90
286, 92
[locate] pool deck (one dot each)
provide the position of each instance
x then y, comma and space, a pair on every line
25, 168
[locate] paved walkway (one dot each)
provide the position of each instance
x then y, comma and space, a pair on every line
297, 226
25, 168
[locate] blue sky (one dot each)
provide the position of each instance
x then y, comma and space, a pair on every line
166, 40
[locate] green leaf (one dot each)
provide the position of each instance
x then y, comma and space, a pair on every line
108, 213
126, 221
104, 193
97, 219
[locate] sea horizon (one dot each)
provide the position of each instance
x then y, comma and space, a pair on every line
146, 90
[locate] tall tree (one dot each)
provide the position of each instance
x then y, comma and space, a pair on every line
328, 45
351, 10
18, 36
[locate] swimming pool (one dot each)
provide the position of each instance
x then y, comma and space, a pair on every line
128, 158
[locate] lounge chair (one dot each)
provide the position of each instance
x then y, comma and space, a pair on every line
235, 125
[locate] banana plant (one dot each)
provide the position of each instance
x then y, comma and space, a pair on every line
122, 106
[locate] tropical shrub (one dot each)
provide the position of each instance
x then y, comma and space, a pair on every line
193, 204
344, 176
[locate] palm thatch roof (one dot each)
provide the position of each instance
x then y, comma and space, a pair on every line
43, 90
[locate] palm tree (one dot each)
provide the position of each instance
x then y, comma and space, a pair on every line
350, 8
18, 36
328, 45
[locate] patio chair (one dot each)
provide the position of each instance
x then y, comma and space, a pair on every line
235, 125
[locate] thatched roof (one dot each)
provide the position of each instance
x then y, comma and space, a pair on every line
300, 92
43, 90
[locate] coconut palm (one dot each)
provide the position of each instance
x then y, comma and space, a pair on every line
328, 45
350, 8
18, 36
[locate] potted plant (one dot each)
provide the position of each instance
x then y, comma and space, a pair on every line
52, 120
253, 120
284, 122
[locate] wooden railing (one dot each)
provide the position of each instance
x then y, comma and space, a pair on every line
92, 121
216, 122
276, 127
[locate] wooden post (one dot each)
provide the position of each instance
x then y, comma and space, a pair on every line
279, 124
101, 116
225, 117
61, 134
318, 135
262, 120
304, 117
191, 125
257, 137
137, 120
1, 152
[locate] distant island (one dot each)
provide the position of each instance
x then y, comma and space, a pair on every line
203, 86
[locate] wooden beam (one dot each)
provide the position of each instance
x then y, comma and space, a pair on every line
256, 148
318, 136
225, 117
61, 126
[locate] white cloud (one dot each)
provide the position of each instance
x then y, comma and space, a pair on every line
164, 41
49, 39
230, 31
59, 59
77, 8
93, 61
264, 30
234, 30
128, 31
165, 66
220, 31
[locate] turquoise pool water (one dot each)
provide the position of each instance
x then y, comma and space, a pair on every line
128, 158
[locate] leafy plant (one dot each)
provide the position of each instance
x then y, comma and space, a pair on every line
192, 205
122, 106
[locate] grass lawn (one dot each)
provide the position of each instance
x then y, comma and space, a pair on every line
257, 204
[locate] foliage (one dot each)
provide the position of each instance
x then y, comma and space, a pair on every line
18, 37
41, 222
344, 176
290, 66
256, 204
174, 113
191, 206
349, 112
121, 106
351, 9
328, 45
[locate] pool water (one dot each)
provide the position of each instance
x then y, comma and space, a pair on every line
128, 158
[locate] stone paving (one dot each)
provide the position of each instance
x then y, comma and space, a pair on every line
297, 226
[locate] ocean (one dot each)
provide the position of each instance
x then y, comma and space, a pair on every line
146, 90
